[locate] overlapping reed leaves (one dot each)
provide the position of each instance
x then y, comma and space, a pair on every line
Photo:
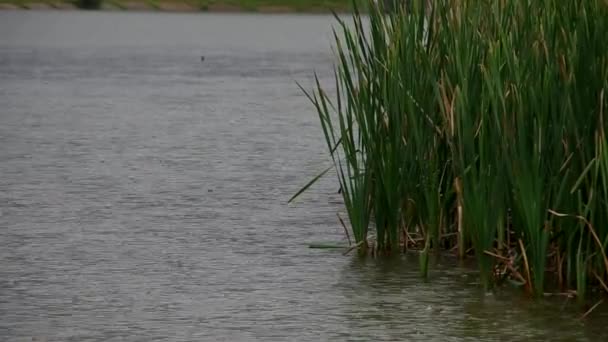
477, 123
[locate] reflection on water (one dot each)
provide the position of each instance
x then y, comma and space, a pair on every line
386, 300
143, 195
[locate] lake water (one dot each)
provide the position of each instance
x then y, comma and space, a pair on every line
143, 195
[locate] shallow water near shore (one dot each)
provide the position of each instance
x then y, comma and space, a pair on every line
143, 195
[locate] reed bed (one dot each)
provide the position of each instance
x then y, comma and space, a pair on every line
476, 126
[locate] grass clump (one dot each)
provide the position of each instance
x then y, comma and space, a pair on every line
477, 125
89, 4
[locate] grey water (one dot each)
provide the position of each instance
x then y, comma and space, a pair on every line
143, 195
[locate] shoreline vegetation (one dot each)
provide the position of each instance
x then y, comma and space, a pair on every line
478, 128
253, 6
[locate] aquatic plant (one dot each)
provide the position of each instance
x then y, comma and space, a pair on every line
476, 125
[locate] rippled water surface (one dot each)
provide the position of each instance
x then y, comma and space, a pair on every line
143, 195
